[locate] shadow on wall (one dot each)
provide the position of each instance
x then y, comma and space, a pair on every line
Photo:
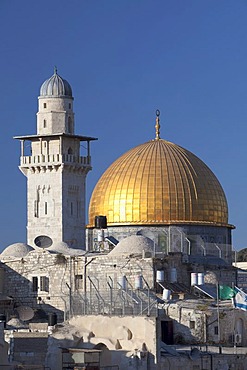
75, 353
28, 299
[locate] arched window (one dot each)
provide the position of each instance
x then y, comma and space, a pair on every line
70, 151
44, 123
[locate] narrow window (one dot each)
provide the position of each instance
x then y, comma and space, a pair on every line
216, 330
70, 125
78, 209
70, 151
35, 208
69, 105
192, 325
78, 282
46, 207
44, 105
44, 123
35, 283
44, 283
71, 208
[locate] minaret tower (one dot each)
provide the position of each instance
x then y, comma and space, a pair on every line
56, 170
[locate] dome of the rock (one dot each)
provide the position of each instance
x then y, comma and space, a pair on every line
159, 182
161, 190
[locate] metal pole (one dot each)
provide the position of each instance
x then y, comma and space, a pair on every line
218, 311
220, 253
181, 239
204, 250
85, 285
69, 287
22, 148
169, 238
189, 242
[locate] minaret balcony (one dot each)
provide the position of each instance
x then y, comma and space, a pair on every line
54, 159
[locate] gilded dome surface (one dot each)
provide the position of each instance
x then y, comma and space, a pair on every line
55, 86
159, 183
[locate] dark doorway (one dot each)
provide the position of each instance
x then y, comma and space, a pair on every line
167, 332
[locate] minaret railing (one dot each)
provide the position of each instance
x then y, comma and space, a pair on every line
54, 159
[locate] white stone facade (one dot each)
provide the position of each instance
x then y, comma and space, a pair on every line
55, 115
56, 171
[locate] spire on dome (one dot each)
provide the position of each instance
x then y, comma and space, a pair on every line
157, 125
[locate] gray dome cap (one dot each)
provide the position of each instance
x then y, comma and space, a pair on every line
17, 250
55, 86
134, 245
63, 248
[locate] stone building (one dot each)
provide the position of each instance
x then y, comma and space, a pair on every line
115, 302
118, 290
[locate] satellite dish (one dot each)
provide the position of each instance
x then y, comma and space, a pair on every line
25, 313
194, 354
43, 241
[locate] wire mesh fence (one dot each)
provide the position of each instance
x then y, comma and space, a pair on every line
114, 302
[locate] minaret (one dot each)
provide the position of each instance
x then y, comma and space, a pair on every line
56, 170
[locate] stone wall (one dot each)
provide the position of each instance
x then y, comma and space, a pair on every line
3, 347
196, 360
125, 341
53, 273
62, 286
203, 322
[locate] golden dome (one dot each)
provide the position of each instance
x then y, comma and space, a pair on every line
159, 183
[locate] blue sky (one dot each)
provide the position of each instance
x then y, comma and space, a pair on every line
124, 59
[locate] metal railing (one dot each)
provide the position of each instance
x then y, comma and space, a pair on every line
54, 159
114, 301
